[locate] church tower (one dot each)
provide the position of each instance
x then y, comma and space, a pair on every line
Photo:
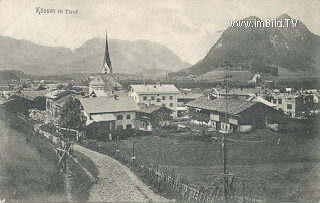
106, 66
104, 83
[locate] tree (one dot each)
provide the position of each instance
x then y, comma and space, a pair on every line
162, 114
60, 86
71, 115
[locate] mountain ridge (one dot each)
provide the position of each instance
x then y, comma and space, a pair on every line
126, 56
262, 50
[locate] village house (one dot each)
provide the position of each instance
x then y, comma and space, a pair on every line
294, 105
151, 116
106, 114
160, 94
55, 101
242, 116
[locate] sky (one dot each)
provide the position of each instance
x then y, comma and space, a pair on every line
187, 27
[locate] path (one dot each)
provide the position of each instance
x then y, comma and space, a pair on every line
117, 183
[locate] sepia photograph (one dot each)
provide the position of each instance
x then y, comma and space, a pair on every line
159, 101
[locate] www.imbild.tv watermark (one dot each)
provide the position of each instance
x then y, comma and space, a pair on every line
266, 23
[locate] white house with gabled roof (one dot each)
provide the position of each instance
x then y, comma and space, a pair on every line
159, 94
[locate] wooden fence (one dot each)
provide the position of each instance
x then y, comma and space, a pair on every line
167, 183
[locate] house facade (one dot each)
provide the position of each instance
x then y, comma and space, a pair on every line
106, 114
293, 105
242, 116
161, 95
55, 101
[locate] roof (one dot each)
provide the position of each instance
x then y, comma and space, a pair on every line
235, 106
104, 117
189, 95
239, 91
262, 100
57, 94
106, 79
100, 93
152, 89
108, 104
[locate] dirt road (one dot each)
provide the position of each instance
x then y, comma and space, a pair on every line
117, 183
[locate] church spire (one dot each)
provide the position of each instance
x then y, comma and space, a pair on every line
106, 60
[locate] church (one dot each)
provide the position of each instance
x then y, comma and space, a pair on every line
104, 83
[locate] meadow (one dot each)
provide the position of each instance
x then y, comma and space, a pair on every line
286, 165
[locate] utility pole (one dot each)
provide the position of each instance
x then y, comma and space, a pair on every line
224, 140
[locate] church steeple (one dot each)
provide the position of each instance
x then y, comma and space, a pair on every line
106, 60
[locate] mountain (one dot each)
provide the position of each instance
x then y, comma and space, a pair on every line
126, 56
263, 49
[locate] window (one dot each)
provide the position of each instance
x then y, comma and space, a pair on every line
158, 100
129, 126
280, 101
274, 101
289, 106
119, 127
128, 116
153, 98
164, 105
145, 98
171, 97
171, 104
163, 97
119, 117
158, 95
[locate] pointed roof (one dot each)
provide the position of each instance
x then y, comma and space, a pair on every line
106, 59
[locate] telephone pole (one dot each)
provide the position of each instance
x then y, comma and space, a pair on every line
224, 140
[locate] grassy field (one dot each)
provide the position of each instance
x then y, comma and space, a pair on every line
288, 170
28, 169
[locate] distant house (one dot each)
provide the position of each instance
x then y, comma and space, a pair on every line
55, 101
151, 116
242, 115
6, 92
106, 114
160, 94
294, 105
255, 79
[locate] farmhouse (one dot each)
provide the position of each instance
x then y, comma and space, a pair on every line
160, 94
106, 114
242, 115
150, 116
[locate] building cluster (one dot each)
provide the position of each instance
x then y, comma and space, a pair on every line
108, 107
